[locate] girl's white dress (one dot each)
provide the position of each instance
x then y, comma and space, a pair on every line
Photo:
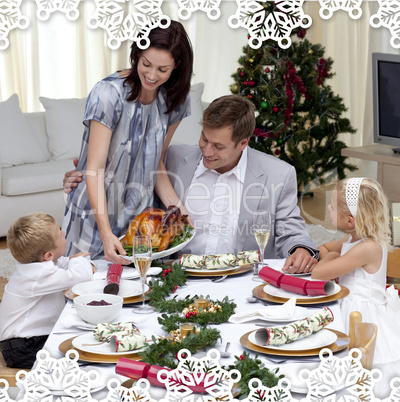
369, 296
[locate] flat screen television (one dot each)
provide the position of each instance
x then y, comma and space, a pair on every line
386, 99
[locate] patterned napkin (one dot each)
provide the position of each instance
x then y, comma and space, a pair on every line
292, 332
217, 261
123, 336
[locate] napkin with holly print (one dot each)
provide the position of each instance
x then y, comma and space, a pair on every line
292, 332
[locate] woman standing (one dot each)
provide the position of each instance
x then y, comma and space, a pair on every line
130, 118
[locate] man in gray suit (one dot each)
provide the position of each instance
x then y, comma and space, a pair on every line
242, 180
223, 182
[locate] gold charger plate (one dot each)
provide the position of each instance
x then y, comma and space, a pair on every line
261, 294
341, 343
209, 272
94, 357
69, 294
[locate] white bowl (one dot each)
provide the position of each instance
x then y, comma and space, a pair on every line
98, 314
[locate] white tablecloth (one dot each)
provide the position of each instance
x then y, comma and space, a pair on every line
236, 287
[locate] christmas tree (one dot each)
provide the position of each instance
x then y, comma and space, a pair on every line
299, 118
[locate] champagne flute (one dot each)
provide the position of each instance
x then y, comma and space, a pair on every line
262, 231
142, 259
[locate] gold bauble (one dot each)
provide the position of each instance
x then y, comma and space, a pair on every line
234, 88
251, 60
310, 51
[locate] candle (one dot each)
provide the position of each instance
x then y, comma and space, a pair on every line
201, 304
186, 329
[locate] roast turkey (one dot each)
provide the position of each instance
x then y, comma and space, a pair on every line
161, 226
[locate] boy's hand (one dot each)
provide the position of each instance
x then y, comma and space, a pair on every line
79, 255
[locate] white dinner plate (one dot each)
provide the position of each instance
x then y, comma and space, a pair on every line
319, 339
168, 251
127, 288
81, 342
279, 292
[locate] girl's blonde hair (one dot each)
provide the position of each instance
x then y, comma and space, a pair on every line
372, 217
31, 236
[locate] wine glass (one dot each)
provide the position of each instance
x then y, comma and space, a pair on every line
142, 258
262, 231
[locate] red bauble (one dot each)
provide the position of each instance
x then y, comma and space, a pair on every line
241, 73
250, 96
275, 109
245, 83
252, 83
267, 70
277, 152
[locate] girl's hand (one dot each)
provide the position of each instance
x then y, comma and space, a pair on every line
111, 245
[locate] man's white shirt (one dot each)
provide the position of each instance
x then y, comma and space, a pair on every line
213, 201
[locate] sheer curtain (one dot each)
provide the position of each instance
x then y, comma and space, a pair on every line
58, 58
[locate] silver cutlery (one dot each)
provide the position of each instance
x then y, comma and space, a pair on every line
219, 279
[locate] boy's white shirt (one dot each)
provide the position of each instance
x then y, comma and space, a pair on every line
34, 296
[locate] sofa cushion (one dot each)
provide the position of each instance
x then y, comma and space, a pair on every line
34, 178
17, 141
188, 132
37, 123
64, 123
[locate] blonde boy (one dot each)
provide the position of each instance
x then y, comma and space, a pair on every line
34, 296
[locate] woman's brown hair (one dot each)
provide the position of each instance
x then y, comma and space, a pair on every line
175, 40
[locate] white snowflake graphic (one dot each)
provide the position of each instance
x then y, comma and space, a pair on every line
4, 397
187, 7
47, 7
258, 392
263, 25
388, 16
328, 7
10, 18
134, 25
118, 393
50, 375
334, 374
206, 373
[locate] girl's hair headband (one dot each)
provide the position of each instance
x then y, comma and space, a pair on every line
352, 191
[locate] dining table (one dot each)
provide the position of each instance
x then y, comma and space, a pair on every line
239, 288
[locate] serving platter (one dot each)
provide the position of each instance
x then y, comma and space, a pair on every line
168, 251
341, 343
95, 357
259, 293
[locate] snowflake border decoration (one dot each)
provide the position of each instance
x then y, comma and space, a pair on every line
10, 18
352, 7
205, 372
187, 7
46, 7
136, 26
280, 392
277, 25
388, 16
138, 392
51, 374
335, 373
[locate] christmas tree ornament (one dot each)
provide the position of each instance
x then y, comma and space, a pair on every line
251, 61
234, 88
250, 96
280, 141
252, 83
245, 83
275, 109
311, 51
242, 73
277, 152
264, 104
267, 70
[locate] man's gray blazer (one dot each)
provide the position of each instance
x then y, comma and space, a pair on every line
270, 184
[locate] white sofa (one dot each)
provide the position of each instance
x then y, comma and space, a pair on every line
36, 149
